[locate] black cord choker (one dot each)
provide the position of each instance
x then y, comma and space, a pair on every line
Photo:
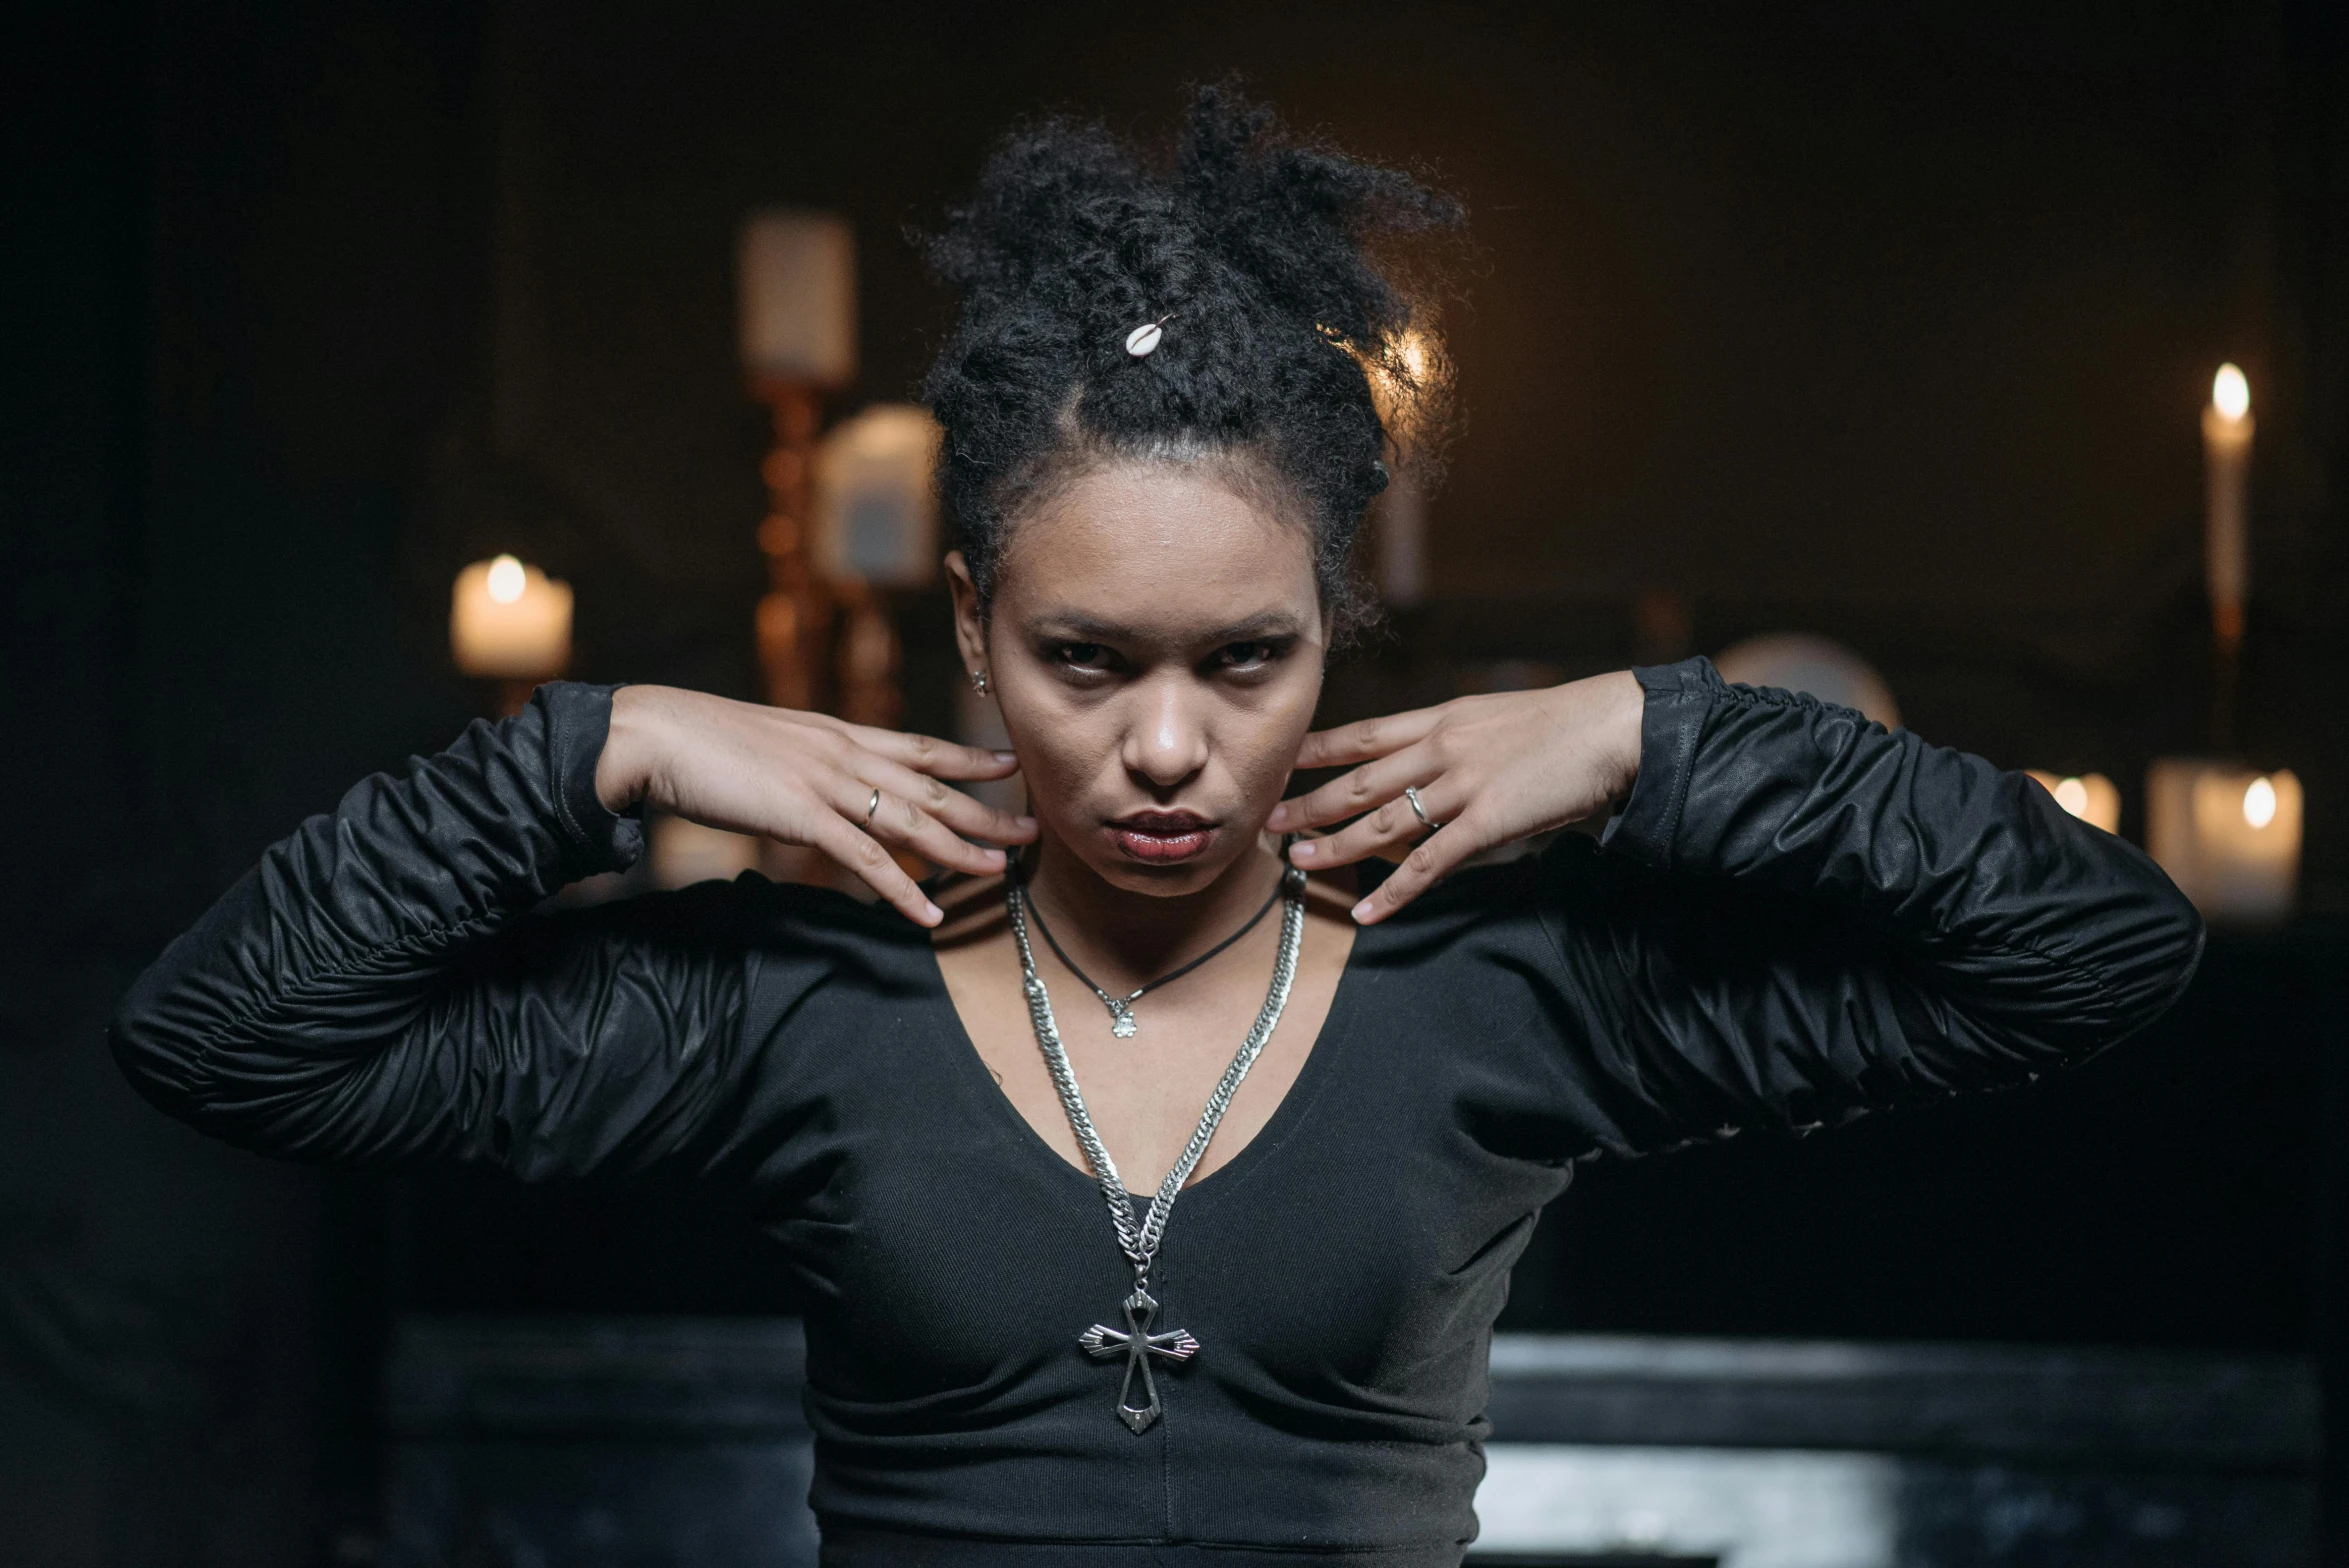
1121, 1009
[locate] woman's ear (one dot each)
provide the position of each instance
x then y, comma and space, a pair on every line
970, 622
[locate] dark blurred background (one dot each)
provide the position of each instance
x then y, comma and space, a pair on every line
1888, 323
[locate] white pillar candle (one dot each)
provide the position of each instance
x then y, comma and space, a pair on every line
1398, 515
2226, 447
796, 281
2228, 835
1399, 541
2089, 796
509, 621
877, 498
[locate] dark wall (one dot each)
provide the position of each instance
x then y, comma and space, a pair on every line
1897, 330
246, 258
1887, 323
1774, 301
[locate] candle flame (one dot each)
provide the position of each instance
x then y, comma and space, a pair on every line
2088, 796
507, 579
1413, 351
2259, 802
1402, 374
2230, 393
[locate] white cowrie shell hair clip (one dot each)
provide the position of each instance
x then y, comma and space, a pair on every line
1144, 338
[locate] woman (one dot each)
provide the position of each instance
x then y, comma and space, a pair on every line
1161, 435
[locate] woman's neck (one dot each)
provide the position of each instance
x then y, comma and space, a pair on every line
1124, 938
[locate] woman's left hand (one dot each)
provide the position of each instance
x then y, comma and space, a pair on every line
1488, 770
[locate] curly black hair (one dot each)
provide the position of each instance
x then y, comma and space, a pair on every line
1258, 251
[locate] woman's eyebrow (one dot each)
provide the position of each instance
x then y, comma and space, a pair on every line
1272, 623
1069, 626
1076, 627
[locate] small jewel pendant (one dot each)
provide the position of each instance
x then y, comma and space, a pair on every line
1121, 1021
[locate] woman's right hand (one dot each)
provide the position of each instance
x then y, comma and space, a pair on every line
806, 778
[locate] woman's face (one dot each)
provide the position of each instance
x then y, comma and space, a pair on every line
1156, 644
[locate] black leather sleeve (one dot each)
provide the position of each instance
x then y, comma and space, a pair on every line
374, 990
1798, 916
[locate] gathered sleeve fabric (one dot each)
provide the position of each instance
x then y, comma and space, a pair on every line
376, 990
1799, 916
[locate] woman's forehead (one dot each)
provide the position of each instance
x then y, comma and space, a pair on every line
1167, 538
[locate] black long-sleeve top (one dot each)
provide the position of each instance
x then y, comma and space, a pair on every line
1796, 917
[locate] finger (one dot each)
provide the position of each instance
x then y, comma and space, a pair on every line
1366, 738
1388, 827
894, 819
928, 754
1422, 869
863, 855
965, 814
1351, 794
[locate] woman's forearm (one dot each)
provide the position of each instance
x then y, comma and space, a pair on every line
341, 936
375, 991
2030, 923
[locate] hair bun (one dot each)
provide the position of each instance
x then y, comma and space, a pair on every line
1257, 255
1300, 217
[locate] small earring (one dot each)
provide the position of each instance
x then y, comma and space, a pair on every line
979, 682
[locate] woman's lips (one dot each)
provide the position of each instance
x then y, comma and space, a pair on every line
1162, 840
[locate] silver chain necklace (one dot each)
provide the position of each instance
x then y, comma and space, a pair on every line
1136, 1343
1121, 1008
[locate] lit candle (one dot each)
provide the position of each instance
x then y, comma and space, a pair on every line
2226, 446
1398, 517
509, 621
2229, 836
2089, 796
796, 282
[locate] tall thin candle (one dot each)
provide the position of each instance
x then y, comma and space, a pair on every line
2226, 446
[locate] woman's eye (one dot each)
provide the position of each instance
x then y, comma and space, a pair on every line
1081, 655
1246, 655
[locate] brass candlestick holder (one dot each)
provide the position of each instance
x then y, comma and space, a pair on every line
795, 615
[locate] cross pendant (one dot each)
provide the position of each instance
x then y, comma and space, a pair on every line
1137, 1344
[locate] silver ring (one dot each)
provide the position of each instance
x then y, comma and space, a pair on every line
1411, 798
873, 808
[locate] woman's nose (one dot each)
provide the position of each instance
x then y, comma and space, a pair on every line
1167, 742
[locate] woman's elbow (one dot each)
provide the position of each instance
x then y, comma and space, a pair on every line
157, 1035
161, 1076
2150, 958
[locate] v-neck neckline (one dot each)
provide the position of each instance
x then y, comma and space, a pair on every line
1277, 1128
